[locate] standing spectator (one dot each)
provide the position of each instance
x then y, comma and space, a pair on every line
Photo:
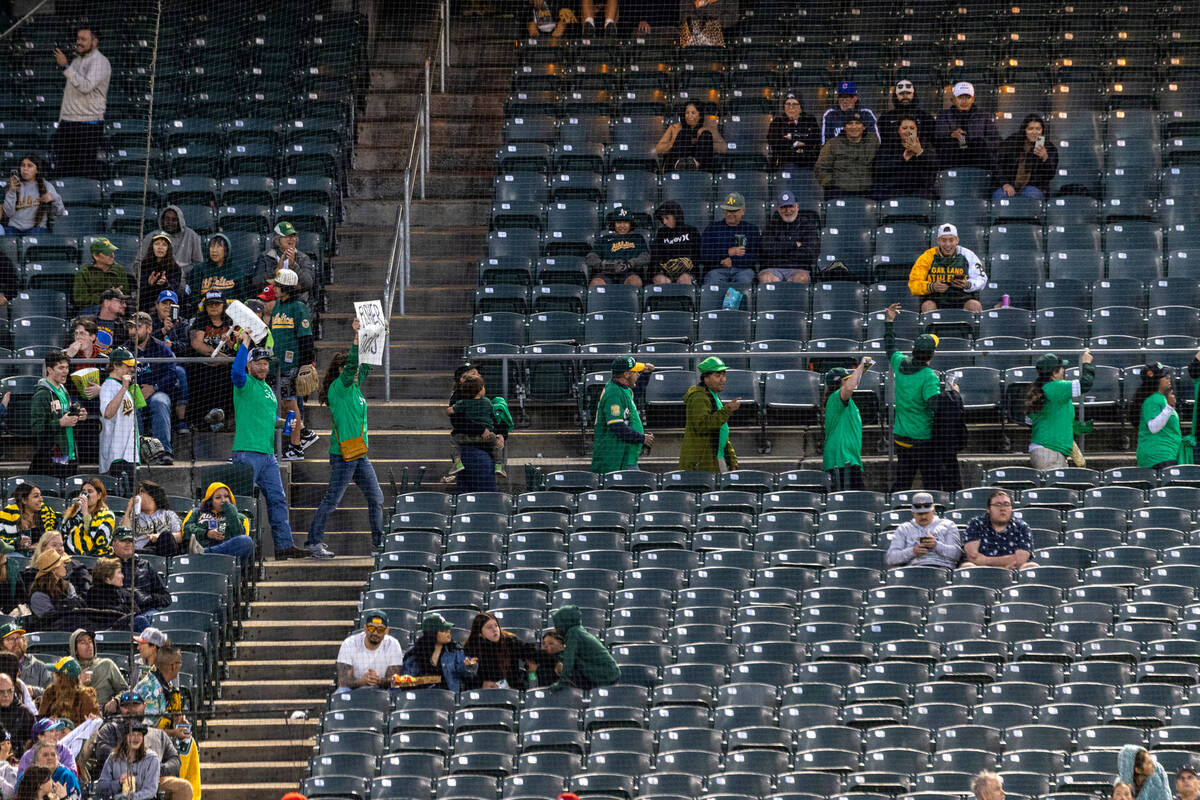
218, 273
1051, 410
291, 327
997, 538
158, 271
691, 143
103, 273
185, 242
586, 662
149, 591
118, 420
212, 329
218, 527
169, 329
793, 138
947, 276
706, 444
926, 539
703, 24
370, 657
256, 410
949, 438
729, 247
132, 770
500, 654
31, 203
543, 21
26, 518
846, 107
284, 255
156, 381
844, 166
52, 420
436, 654
111, 328
620, 255
80, 134
341, 391
618, 435
156, 527
88, 523
842, 456
906, 106
480, 435
904, 166
916, 390
108, 593
964, 136
1027, 162
66, 697
100, 673
675, 251
84, 344
790, 244
1152, 411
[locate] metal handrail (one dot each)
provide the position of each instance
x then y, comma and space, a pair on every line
399, 270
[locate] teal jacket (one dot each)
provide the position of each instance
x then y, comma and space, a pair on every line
583, 654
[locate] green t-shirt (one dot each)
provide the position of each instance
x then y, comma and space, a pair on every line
609, 453
914, 417
1054, 424
346, 403
843, 433
255, 407
289, 324
1155, 448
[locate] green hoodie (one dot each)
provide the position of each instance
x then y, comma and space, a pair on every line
584, 656
50, 403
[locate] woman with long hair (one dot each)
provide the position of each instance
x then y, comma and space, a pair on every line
500, 654
341, 390
36, 784
218, 527
51, 593
1027, 161
132, 769
1146, 778
31, 202
26, 517
88, 523
156, 528
158, 272
691, 143
66, 697
1152, 411
436, 654
1051, 411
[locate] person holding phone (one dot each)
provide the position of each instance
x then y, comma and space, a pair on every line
217, 526
926, 540
1027, 162
30, 202
158, 271
905, 166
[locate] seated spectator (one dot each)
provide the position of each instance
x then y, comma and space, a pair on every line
185, 242
66, 697
103, 273
101, 674
1027, 162
217, 526
30, 674
371, 657
132, 770
212, 328
997, 538
156, 528
26, 518
790, 244
118, 420
586, 662
620, 255
543, 22
47, 783
158, 271
13, 713
846, 107
793, 138
88, 524
904, 167
164, 710
11, 592
51, 595
906, 106
675, 251
704, 24
31, 202
691, 143
218, 273
548, 661
156, 381
1187, 783
78, 574
108, 593
436, 655
291, 329
501, 654
844, 166
106, 738
1141, 773
964, 136
111, 329
926, 540
947, 276
729, 247
284, 255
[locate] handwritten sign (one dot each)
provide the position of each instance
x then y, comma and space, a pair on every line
247, 320
372, 332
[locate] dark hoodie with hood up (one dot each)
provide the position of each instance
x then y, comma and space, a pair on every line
585, 659
230, 278
185, 244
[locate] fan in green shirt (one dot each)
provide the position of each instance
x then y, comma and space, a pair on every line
1153, 411
1051, 411
843, 428
916, 388
619, 436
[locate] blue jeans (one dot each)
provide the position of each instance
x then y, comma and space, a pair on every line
1028, 191
729, 275
266, 476
180, 394
341, 472
479, 470
158, 406
239, 546
37, 230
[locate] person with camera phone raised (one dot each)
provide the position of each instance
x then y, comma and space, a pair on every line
52, 419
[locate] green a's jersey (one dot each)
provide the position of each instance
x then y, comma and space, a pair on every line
1054, 423
609, 453
290, 323
843, 433
914, 417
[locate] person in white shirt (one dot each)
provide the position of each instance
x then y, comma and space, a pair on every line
370, 657
927, 540
118, 417
80, 134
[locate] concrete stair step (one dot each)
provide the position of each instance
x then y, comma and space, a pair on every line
249, 671
325, 590
301, 613
313, 573
241, 730
286, 651
248, 773
448, 299
278, 690
265, 750
387, 184
258, 790
268, 709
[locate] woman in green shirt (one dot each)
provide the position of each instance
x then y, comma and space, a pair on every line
1153, 412
340, 390
843, 428
1051, 411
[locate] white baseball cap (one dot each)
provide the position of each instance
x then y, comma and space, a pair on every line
946, 229
287, 277
962, 87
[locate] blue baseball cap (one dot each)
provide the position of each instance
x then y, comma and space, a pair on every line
167, 294
847, 87
786, 199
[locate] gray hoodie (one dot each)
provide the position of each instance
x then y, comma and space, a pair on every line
21, 207
946, 552
185, 244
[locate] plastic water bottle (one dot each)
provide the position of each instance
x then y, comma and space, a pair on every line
287, 423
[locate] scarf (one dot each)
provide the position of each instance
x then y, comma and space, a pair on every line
723, 435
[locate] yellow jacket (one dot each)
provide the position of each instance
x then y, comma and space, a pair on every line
925, 273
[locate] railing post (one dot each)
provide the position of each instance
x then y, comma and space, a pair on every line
406, 263
445, 40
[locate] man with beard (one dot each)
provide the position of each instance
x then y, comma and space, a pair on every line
906, 106
149, 590
15, 717
370, 657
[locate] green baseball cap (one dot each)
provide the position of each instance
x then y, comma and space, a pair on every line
711, 364
123, 534
926, 343
67, 666
1048, 363
734, 201
120, 355
103, 245
285, 228
376, 617
432, 623
626, 364
835, 376
9, 628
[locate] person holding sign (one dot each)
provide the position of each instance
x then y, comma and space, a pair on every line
292, 328
341, 391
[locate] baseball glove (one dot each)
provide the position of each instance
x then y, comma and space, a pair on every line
307, 380
676, 266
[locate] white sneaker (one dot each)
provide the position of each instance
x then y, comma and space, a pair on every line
320, 551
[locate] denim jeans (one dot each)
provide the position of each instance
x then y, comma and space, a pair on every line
158, 406
37, 230
341, 472
239, 546
266, 476
729, 275
1027, 191
180, 394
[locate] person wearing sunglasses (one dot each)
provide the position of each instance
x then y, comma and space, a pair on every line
371, 656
